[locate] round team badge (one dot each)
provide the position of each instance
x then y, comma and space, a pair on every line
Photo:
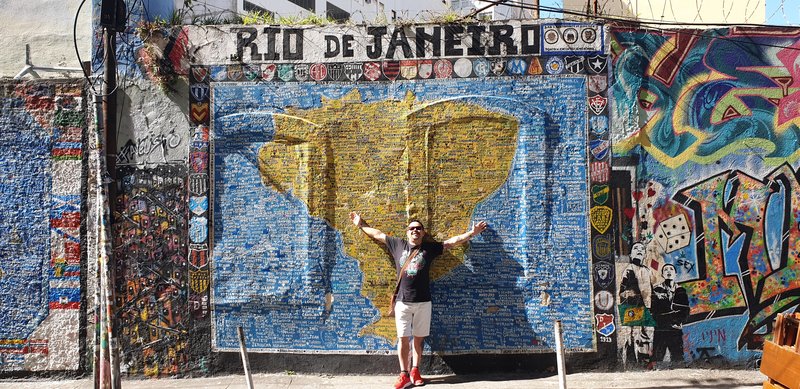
463, 67
443, 68
555, 65
481, 67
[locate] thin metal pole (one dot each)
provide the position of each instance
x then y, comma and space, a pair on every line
245, 360
562, 375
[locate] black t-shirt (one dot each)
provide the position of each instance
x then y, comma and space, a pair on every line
415, 283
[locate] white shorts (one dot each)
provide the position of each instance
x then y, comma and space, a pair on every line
413, 319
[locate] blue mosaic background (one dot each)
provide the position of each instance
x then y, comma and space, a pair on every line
273, 264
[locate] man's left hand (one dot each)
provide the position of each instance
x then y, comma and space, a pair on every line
477, 228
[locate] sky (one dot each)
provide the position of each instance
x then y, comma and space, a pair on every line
788, 15
778, 12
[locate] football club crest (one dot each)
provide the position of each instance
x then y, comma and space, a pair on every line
391, 69
198, 160
198, 184
555, 65
301, 72
353, 71
481, 67
600, 194
574, 65
372, 70
598, 172
268, 71
535, 68
336, 71
598, 104
600, 216
598, 83
443, 68
199, 112
199, 73
498, 66
199, 92
601, 247
463, 68
198, 255
318, 71
516, 67
199, 280
252, 72
604, 300
219, 73
408, 69
425, 68
603, 274
599, 148
200, 134
198, 229
198, 205
605, 324
597, 64
235, 72
598, 125
286, 72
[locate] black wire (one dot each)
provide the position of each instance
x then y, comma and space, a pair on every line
636, 23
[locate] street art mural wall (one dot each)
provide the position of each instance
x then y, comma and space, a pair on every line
152, 271
42, 127
293, 128
705, 136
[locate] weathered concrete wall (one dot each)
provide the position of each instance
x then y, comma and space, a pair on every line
47, 26
705, 160
42, 310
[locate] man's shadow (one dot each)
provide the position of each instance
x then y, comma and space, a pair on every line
480, 305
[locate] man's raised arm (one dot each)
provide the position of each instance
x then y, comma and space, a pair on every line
476, 229
373, 233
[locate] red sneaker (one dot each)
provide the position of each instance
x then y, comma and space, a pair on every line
416, 378
403, 381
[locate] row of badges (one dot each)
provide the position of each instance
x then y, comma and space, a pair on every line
403, 70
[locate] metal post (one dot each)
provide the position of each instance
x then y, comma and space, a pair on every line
245, 361
562, 375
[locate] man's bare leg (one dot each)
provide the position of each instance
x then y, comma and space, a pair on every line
404, 352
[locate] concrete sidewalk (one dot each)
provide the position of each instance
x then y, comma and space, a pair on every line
669, 379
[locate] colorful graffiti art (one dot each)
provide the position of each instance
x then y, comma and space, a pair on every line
715, 145
40, 225
152, 271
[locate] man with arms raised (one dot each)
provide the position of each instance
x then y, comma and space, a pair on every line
413, 300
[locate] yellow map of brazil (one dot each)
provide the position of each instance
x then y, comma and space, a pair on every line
390, 161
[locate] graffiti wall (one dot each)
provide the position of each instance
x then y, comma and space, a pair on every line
705, 128
42, 127
152, 271
447, 124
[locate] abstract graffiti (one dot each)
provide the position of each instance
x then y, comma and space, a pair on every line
152, 270
40, 225
746, 231
706, 124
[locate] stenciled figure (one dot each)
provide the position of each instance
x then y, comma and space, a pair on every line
670, 308
636, 330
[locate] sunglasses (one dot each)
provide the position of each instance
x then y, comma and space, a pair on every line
416, 228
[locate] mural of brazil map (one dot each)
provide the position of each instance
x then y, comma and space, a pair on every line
290, 161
